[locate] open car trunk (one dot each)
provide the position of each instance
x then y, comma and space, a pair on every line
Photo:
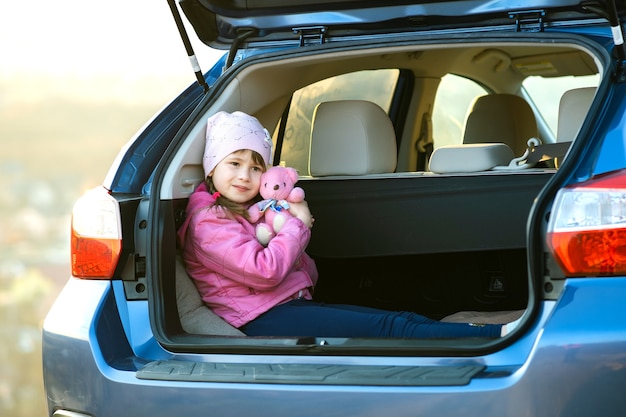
449, 246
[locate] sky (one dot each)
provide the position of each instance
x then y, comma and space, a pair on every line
85, 39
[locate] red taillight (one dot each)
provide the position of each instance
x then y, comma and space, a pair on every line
587, 228
96, 235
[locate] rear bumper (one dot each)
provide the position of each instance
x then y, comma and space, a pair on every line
573, 362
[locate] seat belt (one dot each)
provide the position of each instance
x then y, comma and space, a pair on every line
538, 152
424, 144
547, 151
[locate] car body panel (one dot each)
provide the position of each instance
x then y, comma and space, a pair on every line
512, 377
613, 135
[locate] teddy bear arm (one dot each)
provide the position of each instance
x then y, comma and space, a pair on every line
255, 213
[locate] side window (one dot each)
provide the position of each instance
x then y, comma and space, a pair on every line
377, 86
546, 93
454, 97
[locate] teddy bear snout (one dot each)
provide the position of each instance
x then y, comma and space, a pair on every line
276, 187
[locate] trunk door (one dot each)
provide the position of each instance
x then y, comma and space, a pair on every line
224, 23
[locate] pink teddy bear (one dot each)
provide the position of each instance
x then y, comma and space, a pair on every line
278, 190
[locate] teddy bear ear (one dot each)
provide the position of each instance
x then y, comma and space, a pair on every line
293, 174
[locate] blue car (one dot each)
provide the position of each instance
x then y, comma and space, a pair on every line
470, 166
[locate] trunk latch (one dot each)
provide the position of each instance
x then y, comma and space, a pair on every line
134, 278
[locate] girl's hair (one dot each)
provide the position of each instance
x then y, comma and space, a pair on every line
224, 202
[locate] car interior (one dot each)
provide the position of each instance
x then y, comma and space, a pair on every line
444, 237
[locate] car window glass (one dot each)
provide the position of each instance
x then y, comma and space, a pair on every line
546, 92
455, 95
376, 85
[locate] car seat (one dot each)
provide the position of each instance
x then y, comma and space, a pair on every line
351, 137
573, 109
501, 118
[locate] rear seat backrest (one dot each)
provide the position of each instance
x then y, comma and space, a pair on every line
351, 137
503, 118
573, 109
195, 317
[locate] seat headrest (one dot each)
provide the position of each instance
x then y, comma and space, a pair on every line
573, 109
504, 118
351, 137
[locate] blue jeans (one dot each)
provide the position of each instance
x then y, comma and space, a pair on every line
309, 318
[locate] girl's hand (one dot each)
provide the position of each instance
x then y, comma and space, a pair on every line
301, 211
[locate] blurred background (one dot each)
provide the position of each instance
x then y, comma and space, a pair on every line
77, 80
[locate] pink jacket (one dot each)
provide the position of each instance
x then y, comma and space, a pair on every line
236, 276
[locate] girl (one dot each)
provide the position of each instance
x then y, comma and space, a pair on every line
267, 291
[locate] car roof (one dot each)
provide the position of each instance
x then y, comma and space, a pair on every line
220, 23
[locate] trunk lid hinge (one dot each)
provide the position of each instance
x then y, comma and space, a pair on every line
311, 35
608, 10
190, 53
528, 20
618, 39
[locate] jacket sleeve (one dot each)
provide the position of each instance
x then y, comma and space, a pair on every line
229, 247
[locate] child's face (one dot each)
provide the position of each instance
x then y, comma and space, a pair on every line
237, 177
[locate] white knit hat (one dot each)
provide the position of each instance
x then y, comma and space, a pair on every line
230, 132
